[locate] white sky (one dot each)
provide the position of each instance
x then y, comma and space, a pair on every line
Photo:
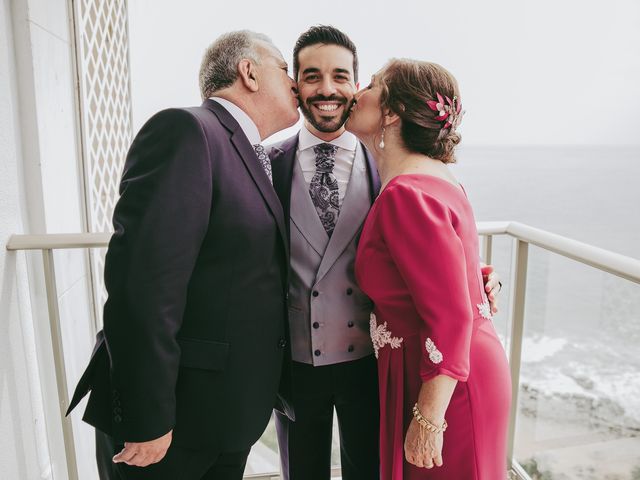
546, 72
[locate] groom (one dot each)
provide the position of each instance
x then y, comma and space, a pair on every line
333, 364
186, 372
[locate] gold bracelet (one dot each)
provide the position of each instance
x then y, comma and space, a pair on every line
426, 423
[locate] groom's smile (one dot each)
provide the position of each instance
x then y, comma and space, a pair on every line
325, 109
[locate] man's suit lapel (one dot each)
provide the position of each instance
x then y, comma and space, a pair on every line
353, 212
372, 175
282, 164
303, 213
292, 190
248, 155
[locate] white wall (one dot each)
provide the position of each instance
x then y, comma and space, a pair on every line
23, 447
40, 192
532, 73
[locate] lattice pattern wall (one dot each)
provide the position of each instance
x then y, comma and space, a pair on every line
102, 44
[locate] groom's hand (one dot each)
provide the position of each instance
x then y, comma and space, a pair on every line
492, 285
144, 453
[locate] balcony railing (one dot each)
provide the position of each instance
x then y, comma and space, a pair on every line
522, 237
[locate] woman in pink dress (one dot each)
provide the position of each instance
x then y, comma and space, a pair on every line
445, 389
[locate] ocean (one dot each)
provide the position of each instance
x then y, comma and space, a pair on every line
591, 194
579, 402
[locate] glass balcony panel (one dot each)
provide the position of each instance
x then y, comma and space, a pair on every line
501, 260
579, 413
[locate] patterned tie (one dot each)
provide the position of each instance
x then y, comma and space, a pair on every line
264, 160
324, 186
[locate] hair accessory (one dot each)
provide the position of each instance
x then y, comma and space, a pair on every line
449, 111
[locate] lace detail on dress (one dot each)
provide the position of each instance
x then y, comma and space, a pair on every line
435, 355
380, 336
485, 310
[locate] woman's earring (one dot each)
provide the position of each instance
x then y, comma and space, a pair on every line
381, 144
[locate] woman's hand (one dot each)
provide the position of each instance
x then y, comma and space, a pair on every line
423, 448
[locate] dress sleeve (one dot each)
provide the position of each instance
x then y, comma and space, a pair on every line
419, 233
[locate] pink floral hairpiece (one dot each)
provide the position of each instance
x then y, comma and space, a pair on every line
449, 111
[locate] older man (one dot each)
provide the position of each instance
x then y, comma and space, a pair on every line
187, 369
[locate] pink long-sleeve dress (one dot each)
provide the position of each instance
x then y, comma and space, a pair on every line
418, 260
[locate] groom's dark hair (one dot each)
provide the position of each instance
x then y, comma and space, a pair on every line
325, 35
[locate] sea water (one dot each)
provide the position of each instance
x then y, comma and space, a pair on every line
579, 402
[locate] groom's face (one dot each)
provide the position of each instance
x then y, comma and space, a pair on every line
326, 85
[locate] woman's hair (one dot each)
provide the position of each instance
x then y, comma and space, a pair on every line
407, 86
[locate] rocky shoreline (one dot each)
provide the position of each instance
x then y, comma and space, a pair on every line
567, 436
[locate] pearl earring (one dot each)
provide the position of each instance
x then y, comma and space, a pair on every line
381, 144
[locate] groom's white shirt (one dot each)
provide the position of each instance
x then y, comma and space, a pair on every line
348, 148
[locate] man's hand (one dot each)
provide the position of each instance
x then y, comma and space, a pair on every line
491, 285
144, 453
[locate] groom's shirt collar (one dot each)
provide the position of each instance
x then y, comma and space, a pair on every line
346, 141
247, 125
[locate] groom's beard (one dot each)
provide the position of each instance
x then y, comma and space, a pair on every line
322, 123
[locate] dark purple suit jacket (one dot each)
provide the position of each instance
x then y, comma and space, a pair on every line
195, 322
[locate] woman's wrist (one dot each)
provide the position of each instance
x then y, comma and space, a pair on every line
434, 413
429, 425
434, 397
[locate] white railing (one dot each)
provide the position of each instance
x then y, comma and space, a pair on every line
522, 235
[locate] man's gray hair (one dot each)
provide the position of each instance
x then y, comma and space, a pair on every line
219, 68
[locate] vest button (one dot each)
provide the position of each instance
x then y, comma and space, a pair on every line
317, 353
349, 291
351, 348
350, 324
282, 343
316, 325
315, 293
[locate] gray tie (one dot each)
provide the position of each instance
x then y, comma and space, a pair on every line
324, 187
264, 160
